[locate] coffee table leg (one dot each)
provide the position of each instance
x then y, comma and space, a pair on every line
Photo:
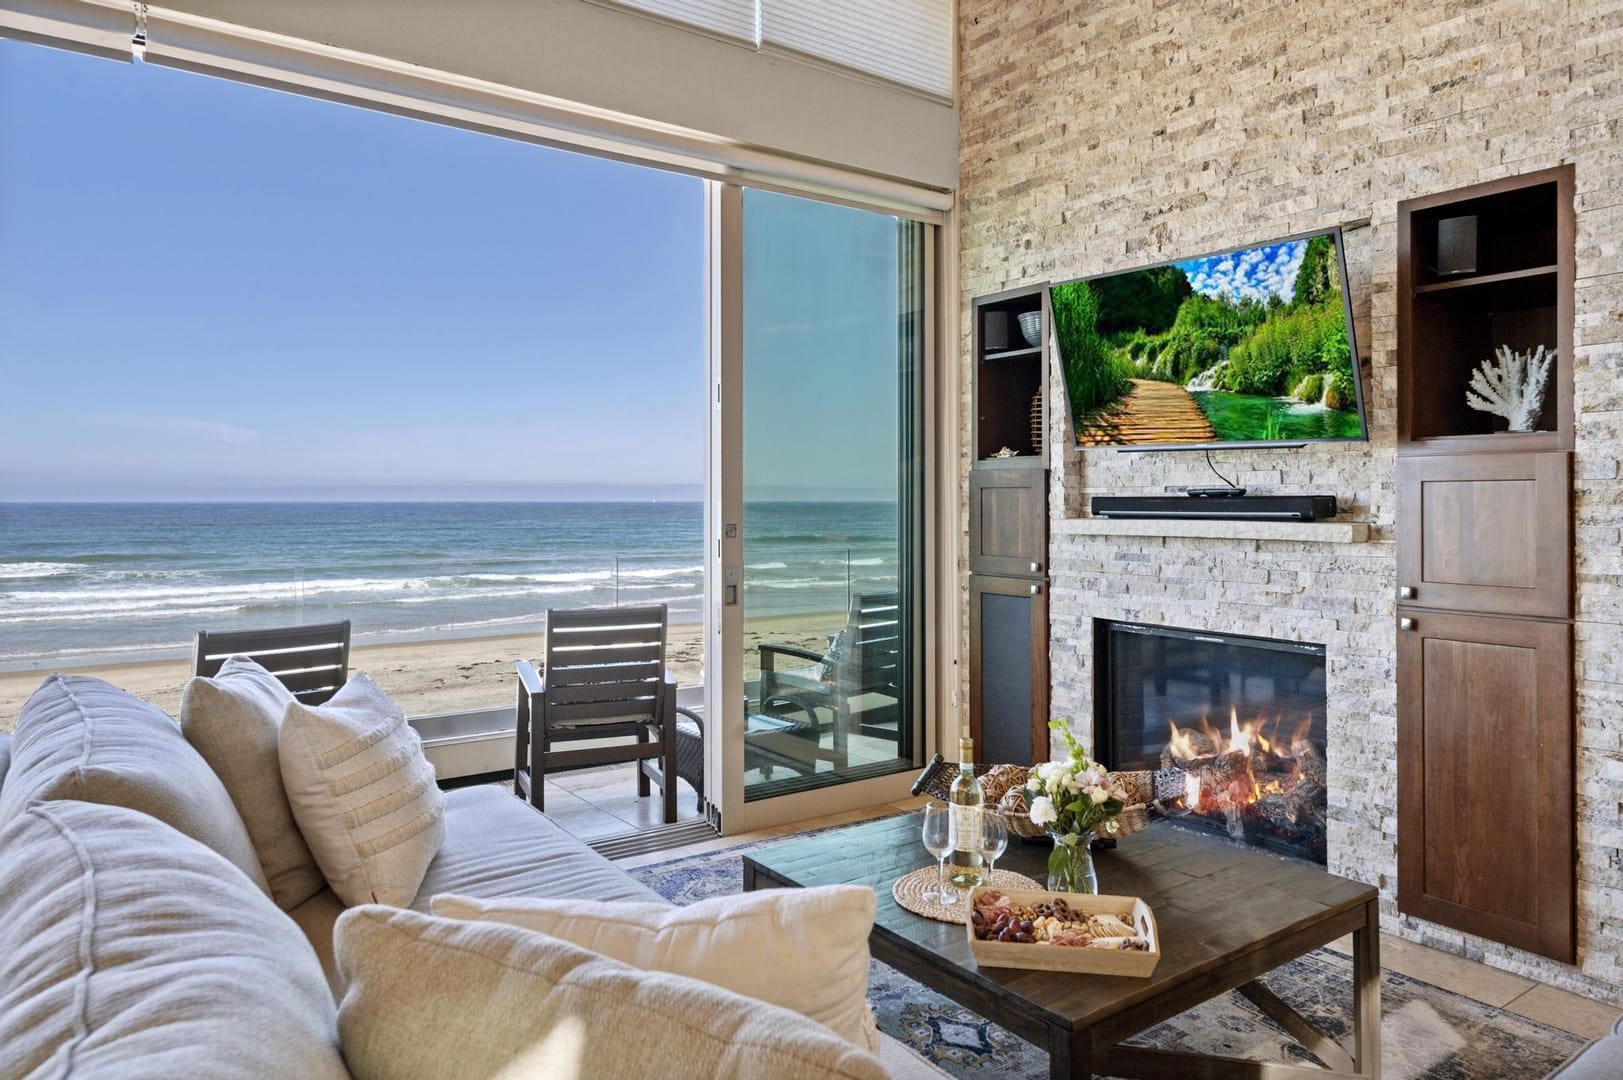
749, 878
1367, 994
1070, 1055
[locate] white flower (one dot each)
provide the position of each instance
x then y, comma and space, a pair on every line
1098, 795
1042, 811
1073, 782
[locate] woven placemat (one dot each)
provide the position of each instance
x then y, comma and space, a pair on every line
909, 892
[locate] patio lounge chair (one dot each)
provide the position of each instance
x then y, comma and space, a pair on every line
603, 678
311, 661
857, 681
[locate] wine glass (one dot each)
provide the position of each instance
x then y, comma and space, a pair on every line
937, 833
994, 840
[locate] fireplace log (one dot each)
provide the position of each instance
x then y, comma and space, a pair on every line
1309, 760
1202, 746
1305, 804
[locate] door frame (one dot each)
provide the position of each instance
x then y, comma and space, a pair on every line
936, 623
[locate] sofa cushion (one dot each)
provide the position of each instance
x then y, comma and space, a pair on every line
498, 845
803, 949
234, 721
428, 997
82, 738
130, 950
363, 793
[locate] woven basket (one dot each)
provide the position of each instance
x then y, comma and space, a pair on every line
1004, 786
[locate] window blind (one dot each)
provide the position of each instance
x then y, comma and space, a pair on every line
731, 18
905, 41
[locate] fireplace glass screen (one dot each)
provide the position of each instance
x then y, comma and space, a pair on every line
1233, 727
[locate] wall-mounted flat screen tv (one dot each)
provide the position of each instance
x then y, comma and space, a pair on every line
1246, 347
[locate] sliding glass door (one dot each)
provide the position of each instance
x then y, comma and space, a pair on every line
829, 461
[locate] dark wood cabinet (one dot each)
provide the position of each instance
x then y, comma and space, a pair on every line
1488, 533
1008, 669
1485, 783
1483, 520
1008, 521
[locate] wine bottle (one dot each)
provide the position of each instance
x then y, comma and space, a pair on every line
965, 799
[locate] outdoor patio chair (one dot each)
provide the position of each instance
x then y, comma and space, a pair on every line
857, 681
603, 678
311, 661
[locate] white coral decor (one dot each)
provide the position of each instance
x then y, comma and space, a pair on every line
1512, 386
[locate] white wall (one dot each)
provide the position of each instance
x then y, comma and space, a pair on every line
609, 59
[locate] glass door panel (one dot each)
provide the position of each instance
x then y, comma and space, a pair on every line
831, 462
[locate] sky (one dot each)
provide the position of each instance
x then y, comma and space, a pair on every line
215, 291
1254, 273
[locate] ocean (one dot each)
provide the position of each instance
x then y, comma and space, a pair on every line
96, 580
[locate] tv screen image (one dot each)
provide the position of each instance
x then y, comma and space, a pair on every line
1251, 346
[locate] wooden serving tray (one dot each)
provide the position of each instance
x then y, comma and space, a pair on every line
1132, 962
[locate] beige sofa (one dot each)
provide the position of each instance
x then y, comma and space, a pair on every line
123, 878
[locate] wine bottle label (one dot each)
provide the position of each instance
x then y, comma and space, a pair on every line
966, 828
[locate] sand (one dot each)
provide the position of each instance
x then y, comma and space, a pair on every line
428, 677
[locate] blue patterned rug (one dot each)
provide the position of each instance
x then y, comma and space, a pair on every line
1427, 1033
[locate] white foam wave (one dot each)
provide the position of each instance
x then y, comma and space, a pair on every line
21, 571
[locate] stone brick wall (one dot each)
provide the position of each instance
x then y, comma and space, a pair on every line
1111, 134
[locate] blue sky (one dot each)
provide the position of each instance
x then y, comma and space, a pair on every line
210, 290
216, 291
1254, 273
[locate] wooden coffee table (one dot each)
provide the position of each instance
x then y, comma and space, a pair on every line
1226, 915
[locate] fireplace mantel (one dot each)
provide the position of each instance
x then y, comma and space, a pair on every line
1312, 532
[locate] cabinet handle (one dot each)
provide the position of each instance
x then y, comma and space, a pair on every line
1405, 624
1036, 567
1035, 589
1406, 592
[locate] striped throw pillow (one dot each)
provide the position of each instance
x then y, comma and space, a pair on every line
362, 793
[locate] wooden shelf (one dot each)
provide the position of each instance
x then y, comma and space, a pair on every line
1033, 353
1487, 279
1310, 532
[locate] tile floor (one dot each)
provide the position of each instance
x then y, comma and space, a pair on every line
601, 802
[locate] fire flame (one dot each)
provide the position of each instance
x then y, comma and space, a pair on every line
1239, 784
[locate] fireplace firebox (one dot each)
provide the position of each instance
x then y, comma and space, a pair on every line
1233, 727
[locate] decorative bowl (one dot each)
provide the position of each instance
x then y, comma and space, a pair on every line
1031, 327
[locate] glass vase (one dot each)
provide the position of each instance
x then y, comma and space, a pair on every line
1070, 867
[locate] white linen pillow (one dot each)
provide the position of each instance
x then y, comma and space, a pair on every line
85, 739
426, 998
803, 949
129, 951
362, 793
235, 720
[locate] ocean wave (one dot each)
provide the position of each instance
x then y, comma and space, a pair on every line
18, 571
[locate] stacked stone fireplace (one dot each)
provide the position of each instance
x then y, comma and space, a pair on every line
1232, 726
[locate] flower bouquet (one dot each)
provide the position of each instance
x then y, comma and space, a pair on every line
1073, 799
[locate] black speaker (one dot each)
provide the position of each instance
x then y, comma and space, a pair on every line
1241, 508
1456, 246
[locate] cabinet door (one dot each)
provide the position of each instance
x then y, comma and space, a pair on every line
1486, 532
1008, 669
1008, 521
1485, 767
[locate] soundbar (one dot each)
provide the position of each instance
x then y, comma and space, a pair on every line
1240, 508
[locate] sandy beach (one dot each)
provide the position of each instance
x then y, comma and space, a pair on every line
427, 677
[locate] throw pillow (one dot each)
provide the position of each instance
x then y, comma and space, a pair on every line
235, 720
428, 998
128, 950
362, 793
82, 738
803, 949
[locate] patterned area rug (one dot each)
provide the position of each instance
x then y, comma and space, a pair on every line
1427, 1033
